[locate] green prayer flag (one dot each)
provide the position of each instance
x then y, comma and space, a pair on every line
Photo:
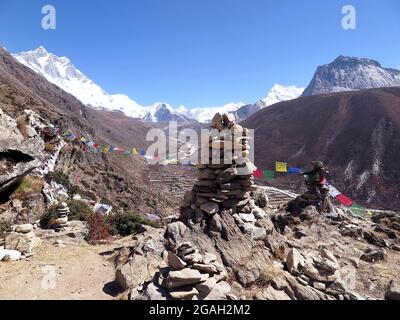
269, 174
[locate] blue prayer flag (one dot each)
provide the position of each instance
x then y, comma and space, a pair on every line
294, 170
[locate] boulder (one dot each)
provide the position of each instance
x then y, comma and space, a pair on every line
373, 256
175, 231
12, 255
205, 287
182, 278
135, 271
22, 242
258, 233
219, 292
247, 217
23, 228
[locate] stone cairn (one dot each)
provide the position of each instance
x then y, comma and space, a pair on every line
223, 188
228, 186
193, 275
62, 217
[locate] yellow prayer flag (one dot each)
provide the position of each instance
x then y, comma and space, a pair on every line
135, 151
281, 167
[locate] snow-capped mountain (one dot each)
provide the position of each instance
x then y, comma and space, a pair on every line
61, 72
349, 73
279, 93
205, 115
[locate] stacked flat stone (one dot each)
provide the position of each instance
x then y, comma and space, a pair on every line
62, 216
193, 275
225, 186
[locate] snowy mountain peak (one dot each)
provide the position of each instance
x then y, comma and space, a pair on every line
280, 93
350, 73
62, 72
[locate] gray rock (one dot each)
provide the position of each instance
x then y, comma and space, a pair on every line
206, 287
319, 286
227, 175
185, 293
294, 261
152, 292
207, 268
219, 292
247, 217
174, 262
373, 256
210, 208
258, 233
393, 292
175, 231
23, 228
11, 255
185, 277
21, 242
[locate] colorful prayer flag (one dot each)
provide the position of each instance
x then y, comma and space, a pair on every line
105, 149
134, 151
333, 192
281, 167
344, 200
295, 170
142, 152
258, 173
269, 174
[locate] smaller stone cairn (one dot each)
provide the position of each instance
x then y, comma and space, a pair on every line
193, 275
226, 186
62, 217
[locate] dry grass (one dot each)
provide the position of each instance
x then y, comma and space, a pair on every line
29, 185
22, 126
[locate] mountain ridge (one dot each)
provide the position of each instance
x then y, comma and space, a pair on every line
61, 72
350, 74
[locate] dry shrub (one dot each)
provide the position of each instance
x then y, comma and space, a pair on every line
29, 185
22, 126
49, 147
98, 231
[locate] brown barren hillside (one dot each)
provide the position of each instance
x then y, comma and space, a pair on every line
357, 135
121, 181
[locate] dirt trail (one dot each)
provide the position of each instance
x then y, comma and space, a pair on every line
81, 273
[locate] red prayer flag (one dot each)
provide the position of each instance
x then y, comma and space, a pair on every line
344, 200
258, 173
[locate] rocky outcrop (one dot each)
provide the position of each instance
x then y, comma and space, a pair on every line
17, 152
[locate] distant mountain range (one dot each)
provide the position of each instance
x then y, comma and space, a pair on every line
61, 72
349, 74
356, 134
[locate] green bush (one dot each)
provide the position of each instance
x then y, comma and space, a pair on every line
49, 216
61, 178
79, 210
126, 224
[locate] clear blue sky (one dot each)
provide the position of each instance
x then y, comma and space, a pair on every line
202, 52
